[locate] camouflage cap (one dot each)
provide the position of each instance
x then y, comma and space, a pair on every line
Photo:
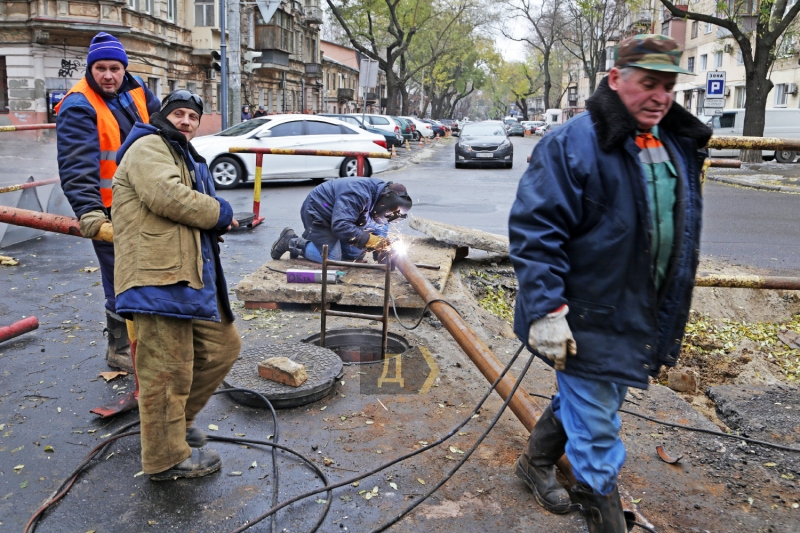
651, 52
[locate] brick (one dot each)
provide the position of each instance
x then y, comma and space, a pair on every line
681, 380
261, 305
283, 370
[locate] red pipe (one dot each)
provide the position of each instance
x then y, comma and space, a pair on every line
18, 328
24, 127
49, 222
30, 185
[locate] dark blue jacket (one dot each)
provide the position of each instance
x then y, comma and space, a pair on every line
79, 146
180, 300
344, 206
580, 234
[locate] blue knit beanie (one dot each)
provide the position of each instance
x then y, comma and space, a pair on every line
106, 47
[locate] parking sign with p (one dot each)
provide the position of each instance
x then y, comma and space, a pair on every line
715, 85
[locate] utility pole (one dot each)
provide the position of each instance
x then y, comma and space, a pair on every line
223, 60
235, 61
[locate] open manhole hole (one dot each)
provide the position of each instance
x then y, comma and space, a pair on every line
360, 346
323, 366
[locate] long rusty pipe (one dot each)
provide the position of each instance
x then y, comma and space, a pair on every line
50, 222
29, 185
522, 405
747, 281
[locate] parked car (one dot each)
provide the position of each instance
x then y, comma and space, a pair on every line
382, 122
452, 124
423, 129
541, 130
310, 132
781, 123
531, 125
405, 128
482, 143
516, 129
392, 139
438, 129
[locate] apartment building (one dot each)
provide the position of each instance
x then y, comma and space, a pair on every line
43, 46
341, 67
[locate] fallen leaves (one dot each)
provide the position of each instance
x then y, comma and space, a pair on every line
139, 473
108, 376
393, 485
421, 481
8, 261
213, 427
453, 449
50, 449
18, 468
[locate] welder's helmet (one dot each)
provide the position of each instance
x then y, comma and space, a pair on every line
393, 204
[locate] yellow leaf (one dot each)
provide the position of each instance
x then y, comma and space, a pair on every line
49, 449
139, 473
769, 464
637, 500
422, 481
108, 376
248, 317
213, 427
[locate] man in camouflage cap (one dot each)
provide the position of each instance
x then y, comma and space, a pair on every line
604, 237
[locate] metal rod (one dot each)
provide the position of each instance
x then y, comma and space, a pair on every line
386, 294
428, 267
29, 185
725, 163
25, 127
753, 143
223, 62
18, 328
49, 222
257, 192
705, 279
354, 315
304, 151
357, 265
324, 312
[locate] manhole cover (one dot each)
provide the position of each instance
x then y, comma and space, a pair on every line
244, 219
323, 367
360, 345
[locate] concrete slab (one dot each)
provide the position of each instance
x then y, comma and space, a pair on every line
360, 287
460, 235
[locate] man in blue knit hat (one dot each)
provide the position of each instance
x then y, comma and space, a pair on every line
94, 118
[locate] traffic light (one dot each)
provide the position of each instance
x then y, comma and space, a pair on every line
216, 60
249, 61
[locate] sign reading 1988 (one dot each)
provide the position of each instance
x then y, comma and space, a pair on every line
715, 85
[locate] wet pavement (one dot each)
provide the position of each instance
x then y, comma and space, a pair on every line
49, 381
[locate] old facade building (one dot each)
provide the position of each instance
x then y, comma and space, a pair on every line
341, 67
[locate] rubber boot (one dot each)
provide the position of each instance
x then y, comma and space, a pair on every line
195, 437
200, 463
603, 513
281, 246
536, 466
297, 247
118, 354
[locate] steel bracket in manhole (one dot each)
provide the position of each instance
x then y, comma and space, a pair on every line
360, 345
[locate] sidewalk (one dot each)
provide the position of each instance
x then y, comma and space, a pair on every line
768, 176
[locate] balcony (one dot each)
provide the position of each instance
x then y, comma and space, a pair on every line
314, 70
313, 15
270, 37
344, 95
372, 98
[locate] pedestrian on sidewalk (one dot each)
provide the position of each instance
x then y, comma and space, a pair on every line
604, 238
169, 281
94, 119
260, 112
350, 215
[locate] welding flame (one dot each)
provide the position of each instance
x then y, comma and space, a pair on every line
400, 247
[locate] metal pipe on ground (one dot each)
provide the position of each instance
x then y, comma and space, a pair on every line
19, 328
30, 185
49, 222
748, 281
725, 163
724, 142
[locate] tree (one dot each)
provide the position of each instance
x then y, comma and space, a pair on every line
590, 25
756, 26
521, 81
544, 24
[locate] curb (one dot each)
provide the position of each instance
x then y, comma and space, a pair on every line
757, 186
399, 164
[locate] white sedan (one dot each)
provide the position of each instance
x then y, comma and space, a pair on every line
309, 132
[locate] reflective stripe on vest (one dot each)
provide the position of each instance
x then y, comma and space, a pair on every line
108, 131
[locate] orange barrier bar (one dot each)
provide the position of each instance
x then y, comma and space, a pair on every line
12, 188
26, 127
360, 157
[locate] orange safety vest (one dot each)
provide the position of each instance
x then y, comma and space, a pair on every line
107, 131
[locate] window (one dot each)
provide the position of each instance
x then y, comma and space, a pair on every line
322, 128
219, 99
709, 27
288, 129
245, 127
172, 8
191, 86
690, 65
204, 13
739, 97
703, 62
695, 25
717, 59
780, 95
145, 6
154, 84
727, 120
171, 86
739, 57
378, 121
3, 86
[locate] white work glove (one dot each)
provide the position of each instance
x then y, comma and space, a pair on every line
551, 337
91, 222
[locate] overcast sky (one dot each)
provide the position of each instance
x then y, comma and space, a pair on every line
510, 49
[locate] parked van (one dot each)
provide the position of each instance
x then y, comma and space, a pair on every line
781, 123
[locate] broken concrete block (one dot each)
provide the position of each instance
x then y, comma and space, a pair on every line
283, 370
682, 380
459, 235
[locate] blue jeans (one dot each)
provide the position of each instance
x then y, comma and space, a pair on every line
340, 250
587, 408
